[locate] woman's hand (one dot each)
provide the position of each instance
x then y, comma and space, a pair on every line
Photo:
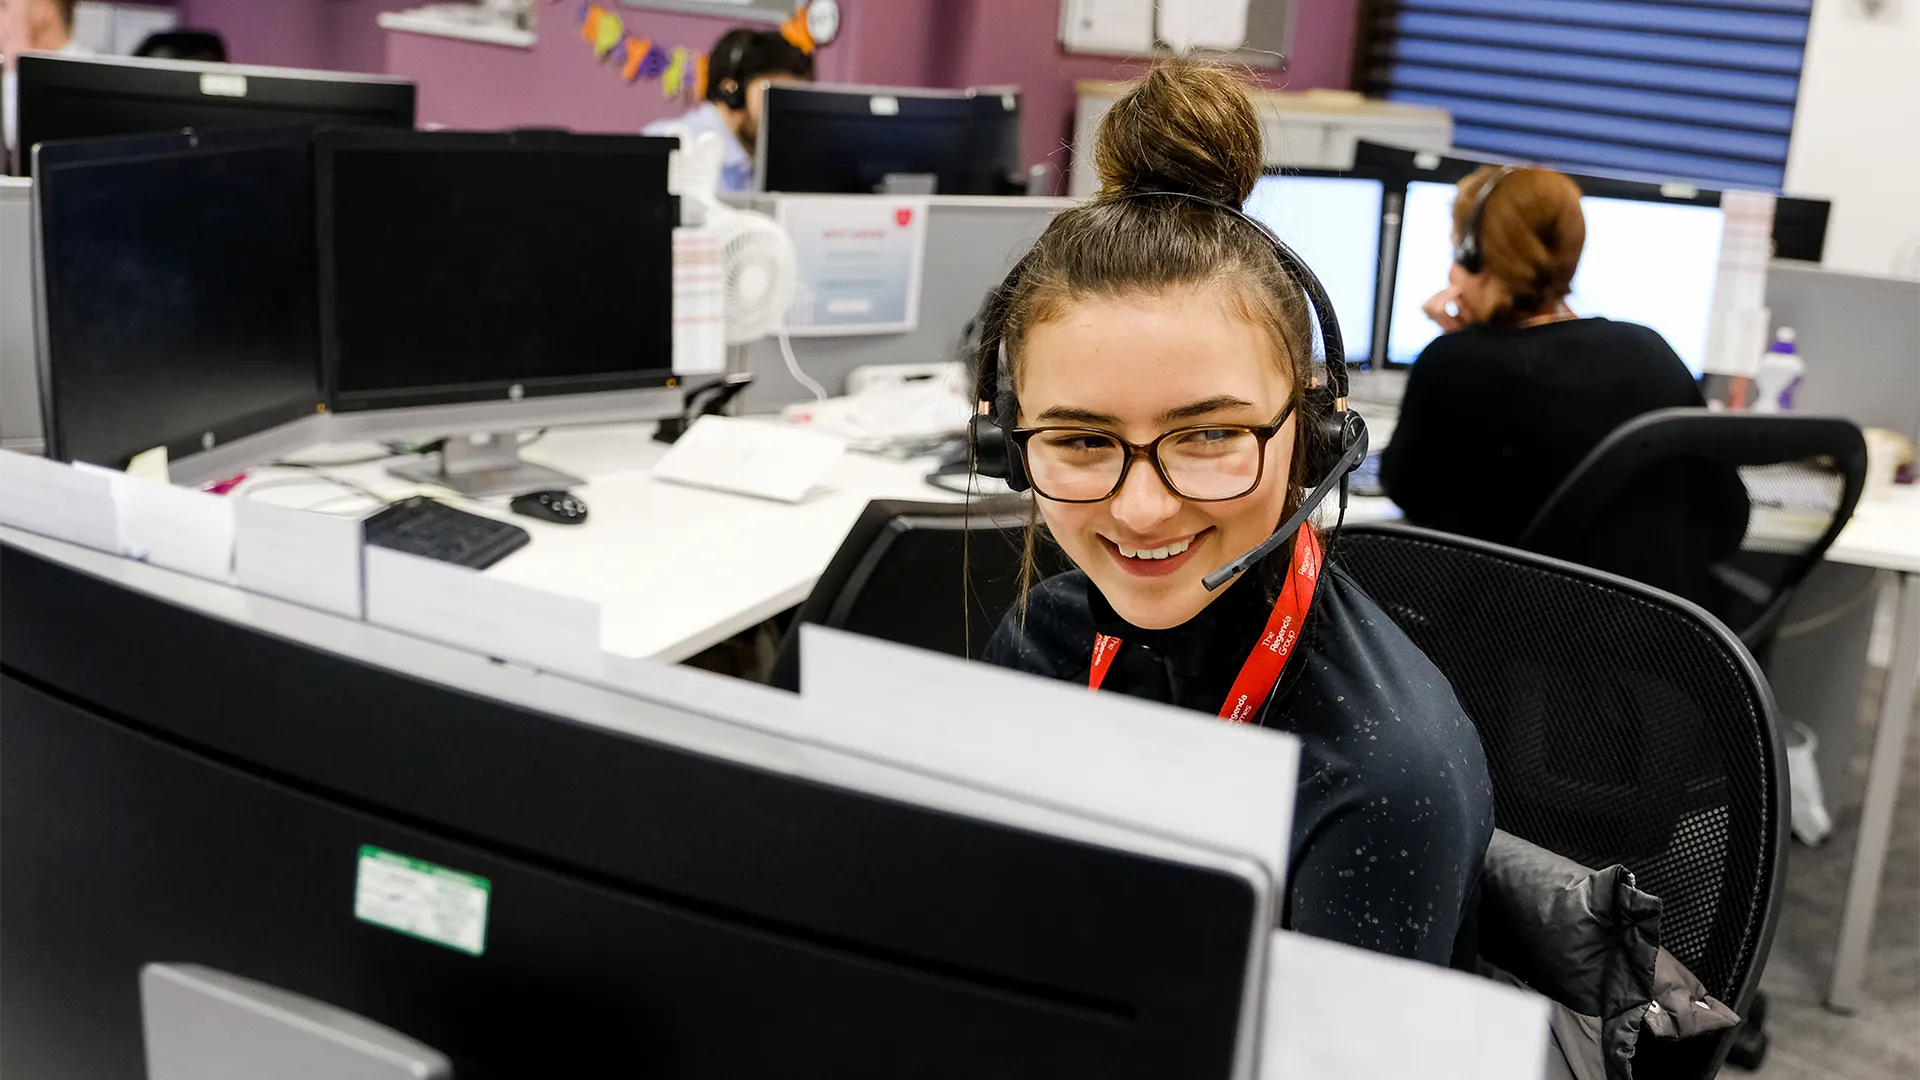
1447, 309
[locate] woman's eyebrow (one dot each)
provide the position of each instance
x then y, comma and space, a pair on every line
1205, 407
1192, 410
1069, 414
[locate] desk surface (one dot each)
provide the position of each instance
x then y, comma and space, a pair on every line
675, 569
1884, 533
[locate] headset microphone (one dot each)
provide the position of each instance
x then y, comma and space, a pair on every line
1349, 459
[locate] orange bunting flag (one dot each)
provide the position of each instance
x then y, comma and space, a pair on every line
796, 31
590, 26
700, 77
636, 54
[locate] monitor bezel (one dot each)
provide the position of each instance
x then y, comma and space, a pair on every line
72, 153
331, 141
40, 74
779, 96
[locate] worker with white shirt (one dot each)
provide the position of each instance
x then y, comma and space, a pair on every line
34, 26
743, 64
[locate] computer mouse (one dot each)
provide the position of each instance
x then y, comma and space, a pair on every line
558, 507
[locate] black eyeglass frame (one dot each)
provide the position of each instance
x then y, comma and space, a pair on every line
1263, 434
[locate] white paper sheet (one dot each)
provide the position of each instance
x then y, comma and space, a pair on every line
1186, 25
458, 606
699, 304
1166, 770
1741, 322
1338, 1013
178, 528
297, 555
58, 500
1123, 27
751, 457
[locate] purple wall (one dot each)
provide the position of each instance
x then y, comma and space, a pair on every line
335, 35
469, 85
887, 42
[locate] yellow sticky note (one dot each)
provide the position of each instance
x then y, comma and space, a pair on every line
151, 465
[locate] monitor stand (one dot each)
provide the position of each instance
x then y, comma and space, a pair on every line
485, 466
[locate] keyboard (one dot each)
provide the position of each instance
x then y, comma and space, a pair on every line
434, 530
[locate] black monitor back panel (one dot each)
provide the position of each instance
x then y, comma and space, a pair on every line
837, 140
486, 267
71, 98
179, 289
176, 787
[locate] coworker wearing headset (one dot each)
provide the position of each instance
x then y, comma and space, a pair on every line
1502, 406
743, 64
1149, 364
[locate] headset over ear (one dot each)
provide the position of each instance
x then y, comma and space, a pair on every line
733, 89
1468, 252
1337, 429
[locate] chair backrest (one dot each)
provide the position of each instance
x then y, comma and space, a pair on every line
1729, 510
1622, 725
935, 575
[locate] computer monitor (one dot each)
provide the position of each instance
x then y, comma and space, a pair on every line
540, 878
63, 97
1646, 260
859, 140
178, 302
1332, 222
460, 267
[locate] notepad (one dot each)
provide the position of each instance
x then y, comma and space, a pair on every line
751, 457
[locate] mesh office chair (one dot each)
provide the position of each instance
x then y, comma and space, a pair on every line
1622, 725
933, 575
1729, 510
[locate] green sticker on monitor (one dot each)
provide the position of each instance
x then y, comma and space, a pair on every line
422, 900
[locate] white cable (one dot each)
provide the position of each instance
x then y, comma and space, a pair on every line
793, 368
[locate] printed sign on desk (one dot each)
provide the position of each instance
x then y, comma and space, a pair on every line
859, 258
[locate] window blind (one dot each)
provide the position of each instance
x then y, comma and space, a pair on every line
1696, 90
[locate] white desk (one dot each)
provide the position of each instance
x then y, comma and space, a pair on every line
1884, 534
675, 569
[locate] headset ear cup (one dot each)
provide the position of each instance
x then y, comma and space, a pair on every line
1328, 438
994, 455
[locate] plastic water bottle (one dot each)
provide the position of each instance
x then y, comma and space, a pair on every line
1781, 370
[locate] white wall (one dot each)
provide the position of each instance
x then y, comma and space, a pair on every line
1856, 132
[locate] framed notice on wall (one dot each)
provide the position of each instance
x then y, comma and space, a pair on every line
768, 11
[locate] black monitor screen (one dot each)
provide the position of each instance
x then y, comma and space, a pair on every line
68, 98
849, 141
484, 267
180, 291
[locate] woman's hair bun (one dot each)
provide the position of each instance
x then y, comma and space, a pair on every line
1187, 127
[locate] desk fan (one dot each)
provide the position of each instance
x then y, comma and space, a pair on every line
758, 271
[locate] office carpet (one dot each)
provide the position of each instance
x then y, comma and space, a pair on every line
1881, 1041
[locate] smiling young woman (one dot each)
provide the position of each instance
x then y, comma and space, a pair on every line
1160, 355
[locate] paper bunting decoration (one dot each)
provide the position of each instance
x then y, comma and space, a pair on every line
607, 34
683, 71
674, 82
636, 55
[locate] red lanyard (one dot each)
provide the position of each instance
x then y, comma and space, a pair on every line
1269, 658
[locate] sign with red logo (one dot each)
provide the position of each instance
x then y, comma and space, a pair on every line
903, 217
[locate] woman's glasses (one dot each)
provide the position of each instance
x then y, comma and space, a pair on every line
1205, 463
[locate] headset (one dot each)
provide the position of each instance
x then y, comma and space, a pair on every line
1337, 447
1468, 252
729, 72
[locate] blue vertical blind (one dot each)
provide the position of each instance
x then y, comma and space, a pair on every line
1697, 90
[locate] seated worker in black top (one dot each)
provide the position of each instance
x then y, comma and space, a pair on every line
1501, 408
1157, 315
